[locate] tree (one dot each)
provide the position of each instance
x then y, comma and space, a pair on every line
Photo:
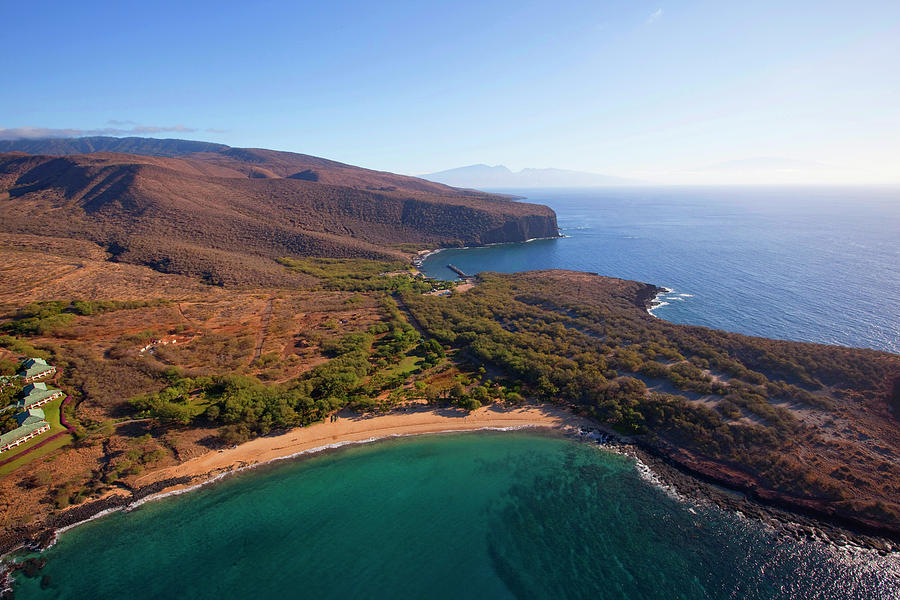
432, 395
468, 403
458, 391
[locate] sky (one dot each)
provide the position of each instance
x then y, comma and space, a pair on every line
663, 91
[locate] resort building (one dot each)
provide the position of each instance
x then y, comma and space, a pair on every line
36, 368
37, 394
32, 423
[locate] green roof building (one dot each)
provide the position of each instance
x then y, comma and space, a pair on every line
36, 368
32, 423
37, 394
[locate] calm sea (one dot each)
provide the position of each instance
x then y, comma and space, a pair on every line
795, 263
483, 515
522, 515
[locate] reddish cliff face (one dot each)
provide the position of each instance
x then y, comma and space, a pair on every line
218, 207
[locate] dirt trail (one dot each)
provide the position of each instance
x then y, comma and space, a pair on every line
263, 326
183, 316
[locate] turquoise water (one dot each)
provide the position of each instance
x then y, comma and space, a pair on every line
799, 263
483, 515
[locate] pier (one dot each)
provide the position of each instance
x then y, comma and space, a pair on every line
458, 271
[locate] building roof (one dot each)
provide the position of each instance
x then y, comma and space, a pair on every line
27, 428
33, 367
32, 415
35, 392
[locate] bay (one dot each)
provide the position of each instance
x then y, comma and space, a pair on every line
478, 515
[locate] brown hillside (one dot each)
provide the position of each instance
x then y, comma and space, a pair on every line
217, 214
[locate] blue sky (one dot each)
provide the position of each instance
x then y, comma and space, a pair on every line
662, 91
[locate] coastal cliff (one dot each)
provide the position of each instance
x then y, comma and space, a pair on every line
523, 229
224, 215
475, 226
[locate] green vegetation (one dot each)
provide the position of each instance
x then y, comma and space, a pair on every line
362, 366
10, 392
409, 247
143, 451
361, 275
716, 394
621, 365
35, 455
22, 347
406, 367
52, 413
180, 402
96, 307
725, 401
7, 420
45, 318
8, 367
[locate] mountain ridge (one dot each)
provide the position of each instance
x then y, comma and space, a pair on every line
225, 215
130, 145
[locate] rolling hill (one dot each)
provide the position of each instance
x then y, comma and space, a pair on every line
224, 213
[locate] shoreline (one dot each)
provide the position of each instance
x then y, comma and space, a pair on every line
655, 302
354, 429
350, 429
423, 255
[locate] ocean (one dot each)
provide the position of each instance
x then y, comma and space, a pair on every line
795, 263
528, 515
477, 515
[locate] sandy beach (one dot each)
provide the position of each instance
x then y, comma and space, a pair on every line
354, 428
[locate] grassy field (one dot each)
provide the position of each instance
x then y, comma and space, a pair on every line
405, 367
52, 412
41, 452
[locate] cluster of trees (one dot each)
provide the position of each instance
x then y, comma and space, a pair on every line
362, 275
356, 274
45, 318
7, 420
398, 335
8, 367
39, 318
601, 352
21, 347
246, 407
144, 452
243, 404
432, 352
10, 392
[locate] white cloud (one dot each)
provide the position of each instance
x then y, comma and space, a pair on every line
655, 15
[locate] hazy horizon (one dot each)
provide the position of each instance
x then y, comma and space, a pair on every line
660, 92
726, 177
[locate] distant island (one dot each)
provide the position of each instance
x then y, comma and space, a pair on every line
486, 177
